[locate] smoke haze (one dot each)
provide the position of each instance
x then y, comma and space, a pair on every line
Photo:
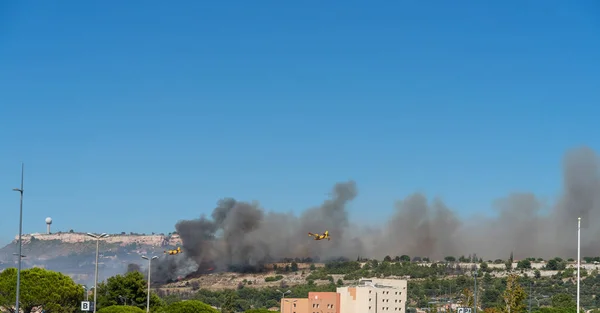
243, 236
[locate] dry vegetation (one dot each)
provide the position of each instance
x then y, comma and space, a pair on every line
227, 280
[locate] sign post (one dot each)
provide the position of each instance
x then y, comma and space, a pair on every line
87, 306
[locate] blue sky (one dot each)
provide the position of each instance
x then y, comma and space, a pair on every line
132, 116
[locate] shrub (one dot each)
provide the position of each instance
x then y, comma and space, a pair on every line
121, 309
189, 306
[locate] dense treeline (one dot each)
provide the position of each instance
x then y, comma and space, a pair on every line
430, 284
499, 287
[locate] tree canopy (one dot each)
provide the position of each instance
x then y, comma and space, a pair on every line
189, 306
121, 309
514, 295
53, 291
129, 289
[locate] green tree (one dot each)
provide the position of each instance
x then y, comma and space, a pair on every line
524, 264
556, 264
121, 309
53, 291
130, 289
404, 258
513, 296
259, 311
229, 304
467, 297
563, 301
294, 267
189, 306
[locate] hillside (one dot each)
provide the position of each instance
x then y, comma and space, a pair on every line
343, 273
74, 253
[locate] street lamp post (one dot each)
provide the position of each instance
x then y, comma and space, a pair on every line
20, 190
149, 272
283, 296
97, 237
578, 259
475, 291
283, 293
85, 292
288, 301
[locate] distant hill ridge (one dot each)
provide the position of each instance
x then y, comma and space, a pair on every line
156, 240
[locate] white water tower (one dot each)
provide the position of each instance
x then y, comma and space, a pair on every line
48, 223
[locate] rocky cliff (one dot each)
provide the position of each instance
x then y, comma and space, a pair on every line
121, 239
74, 253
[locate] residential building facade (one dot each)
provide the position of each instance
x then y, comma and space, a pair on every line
368, 296
294, 305
374, 296
323, 302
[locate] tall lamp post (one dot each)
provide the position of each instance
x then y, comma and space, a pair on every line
19, 253
578, 258
475, 291
85, 292
149, 271
288, 301
97, 237
283, 296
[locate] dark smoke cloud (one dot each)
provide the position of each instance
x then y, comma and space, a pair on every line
132, 267
243, 236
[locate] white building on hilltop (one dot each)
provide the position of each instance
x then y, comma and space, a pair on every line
374, 295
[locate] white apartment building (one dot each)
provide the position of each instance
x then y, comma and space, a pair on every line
374, 295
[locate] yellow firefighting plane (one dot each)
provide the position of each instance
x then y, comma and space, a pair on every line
175, 251
325, 235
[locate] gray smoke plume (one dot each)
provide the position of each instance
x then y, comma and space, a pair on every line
243, 236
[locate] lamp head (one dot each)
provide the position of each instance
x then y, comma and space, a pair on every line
103, 235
